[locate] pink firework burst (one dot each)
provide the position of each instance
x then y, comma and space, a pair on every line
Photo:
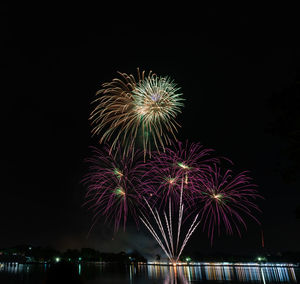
176, 171
225, 199
112, 185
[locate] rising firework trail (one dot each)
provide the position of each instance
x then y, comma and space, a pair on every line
137, 111
162, 231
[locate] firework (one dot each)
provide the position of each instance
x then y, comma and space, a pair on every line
173, 177
163, 232
176, 171
224, 199
137, 111
111, 185
179, 180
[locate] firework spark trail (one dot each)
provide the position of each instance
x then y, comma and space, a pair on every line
156, 237
180, 215
159, 223
157, 219
171, 235
188, 235
168, 248
152, 230
163, 231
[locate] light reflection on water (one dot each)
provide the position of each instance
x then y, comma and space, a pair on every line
208, 273
261, 274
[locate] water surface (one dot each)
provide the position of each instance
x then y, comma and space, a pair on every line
117, 273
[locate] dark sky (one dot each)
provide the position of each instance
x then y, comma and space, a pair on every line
228, 65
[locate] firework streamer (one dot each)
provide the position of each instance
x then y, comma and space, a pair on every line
188, 235
180, 215
166, 241
148, 225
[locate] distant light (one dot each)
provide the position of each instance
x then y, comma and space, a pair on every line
259, 258
30, 248
79, 258
57, 259
188, 259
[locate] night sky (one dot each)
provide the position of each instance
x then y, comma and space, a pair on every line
228, 65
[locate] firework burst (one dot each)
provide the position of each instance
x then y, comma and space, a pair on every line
177, 171
225, 199
137, 111
112, 185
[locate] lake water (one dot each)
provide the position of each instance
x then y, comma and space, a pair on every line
116, 274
